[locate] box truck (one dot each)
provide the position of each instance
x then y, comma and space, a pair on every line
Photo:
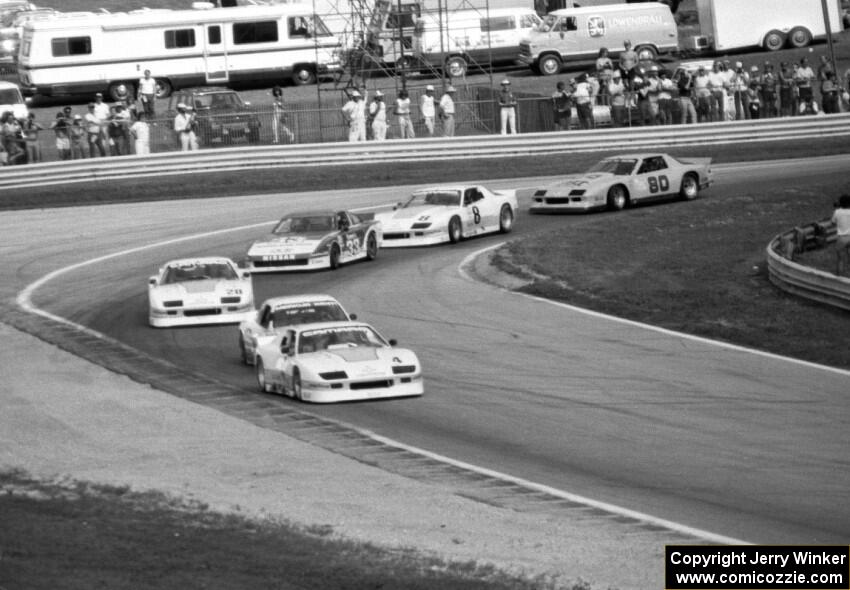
727, 25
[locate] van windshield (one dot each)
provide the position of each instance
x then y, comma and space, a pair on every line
554, 24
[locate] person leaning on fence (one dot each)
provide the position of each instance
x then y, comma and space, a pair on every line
428, 109
94, 133
30, 130
787, 90
768, 91
141, 133
63, 139
184, 128
507, 108
829, 94
583, 98
685, 85
378, 116
13, 139
841, 219
562, 106
354, 113
447, 111
702, 93
281, 131
402, 111
77, 134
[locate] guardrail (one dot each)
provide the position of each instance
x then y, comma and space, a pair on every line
430, 149
801, 280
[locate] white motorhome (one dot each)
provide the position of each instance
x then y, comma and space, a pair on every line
458, 39
577, 35
772, 24
204, 45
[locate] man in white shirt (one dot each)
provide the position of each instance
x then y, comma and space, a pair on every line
428, 109
354, 112
447, 111
378, 114
841, 219
147, 93
183, 128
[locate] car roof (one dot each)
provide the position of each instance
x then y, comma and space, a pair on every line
330, 325
5, 84
284, 300
636, 156
446, 187
312, 213
200, 260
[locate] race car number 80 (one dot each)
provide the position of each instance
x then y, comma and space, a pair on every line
658, 184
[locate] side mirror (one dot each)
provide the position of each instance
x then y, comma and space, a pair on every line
246, 275
393, 342
353, 316
562, 34
152, 281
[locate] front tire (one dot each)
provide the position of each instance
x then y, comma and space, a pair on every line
163, 88
799, 37
261, 377
774, 40
506, 219
303, 75
371, 246
242, 351
646, 53
456, 67
297, 391
455, 230
549, 65
618, 198
690, 188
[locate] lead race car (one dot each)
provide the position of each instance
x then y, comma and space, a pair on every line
312, 240
448, 214
335, 362
278, 313
619, 181
195, 291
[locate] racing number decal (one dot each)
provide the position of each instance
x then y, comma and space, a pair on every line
658, 184
476, 215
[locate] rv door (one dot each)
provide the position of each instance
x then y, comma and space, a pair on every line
215, 55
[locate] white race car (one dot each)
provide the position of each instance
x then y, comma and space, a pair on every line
278, 313
311, 240
196, 291
447, 214
336, 362
620, 181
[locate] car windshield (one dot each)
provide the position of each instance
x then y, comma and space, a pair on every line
305, 224
620, 167
10, 96
447, 198
218, 101
308, 313
339, 338
198, 271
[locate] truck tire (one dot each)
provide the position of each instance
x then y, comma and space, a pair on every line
799, 37
163, 88
549, 64
456, 66
303, 75
774, 40
646, 53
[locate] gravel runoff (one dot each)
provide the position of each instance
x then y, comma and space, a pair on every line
64, 417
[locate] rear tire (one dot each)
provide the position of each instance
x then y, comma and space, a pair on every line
163, 88
261, 377
371, 246
646, 53
303, 75
455, 230
297, 391
618, 198
799, 37
243, 352
549, 65
690, 187
121, 91
456, 67
506, 219
334, 255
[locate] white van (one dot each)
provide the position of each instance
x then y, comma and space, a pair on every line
577, 34
472, 37
91, 53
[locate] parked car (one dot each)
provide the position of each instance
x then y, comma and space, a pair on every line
12, 100
222, 116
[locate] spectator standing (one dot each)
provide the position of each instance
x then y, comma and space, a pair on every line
841, 219
717, 85
13, 139
77, 135
280, 130
562, 106
617, 98
507, 108
824, 69
787, 105
447, 111
829, 94
739, 85
702, 93
146, 94
184, 128
628, 62
120, 130
768, 91
402, 111
103, 113
378, 116
803, 78
604, 70
428, 109
685, 86
141, 133
354, 112
30, 132
754, 106
94, 133
63, 137
665, 98
583, 98
653, 87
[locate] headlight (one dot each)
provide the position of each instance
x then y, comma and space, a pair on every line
420, 225
173, 303
576, 192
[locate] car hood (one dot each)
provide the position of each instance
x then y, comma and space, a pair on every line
583, 181
405, 216
360, 361
287, 245
197, 290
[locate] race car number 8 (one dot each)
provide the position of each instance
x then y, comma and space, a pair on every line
476, 215
655, 184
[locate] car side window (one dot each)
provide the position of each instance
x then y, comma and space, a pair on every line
471, 195
265, 316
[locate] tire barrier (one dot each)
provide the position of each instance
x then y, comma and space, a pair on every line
804, 281
793, 129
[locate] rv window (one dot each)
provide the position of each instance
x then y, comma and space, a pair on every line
498, 23
214, 35
179, 38
258, 32
71, 46
299, 26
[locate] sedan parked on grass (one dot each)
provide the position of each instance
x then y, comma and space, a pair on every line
620, 181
